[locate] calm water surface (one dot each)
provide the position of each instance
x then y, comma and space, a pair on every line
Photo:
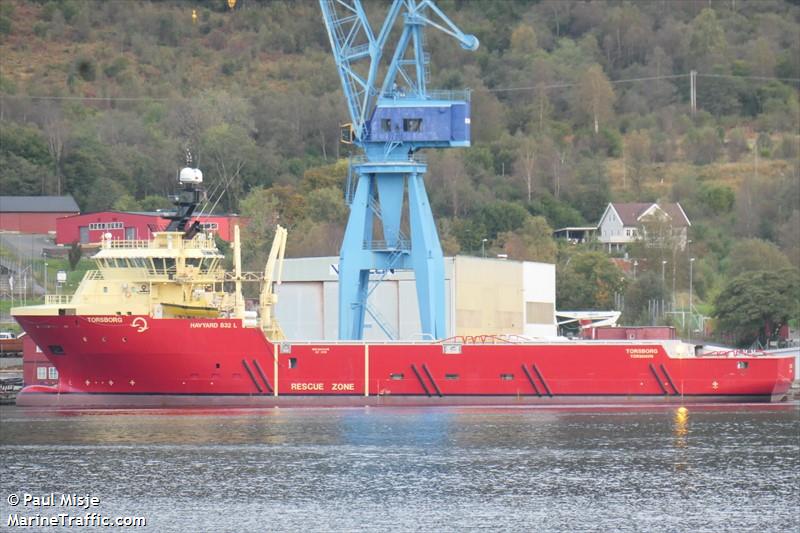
716, 468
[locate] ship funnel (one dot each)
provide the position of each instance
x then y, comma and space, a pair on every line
191, 175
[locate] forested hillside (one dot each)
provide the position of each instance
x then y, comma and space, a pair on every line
574, 104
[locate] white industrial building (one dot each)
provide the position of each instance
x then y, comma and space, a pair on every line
483, 296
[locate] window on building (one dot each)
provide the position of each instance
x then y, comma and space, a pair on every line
41, 372
386, 124
52, 373
210, 226
412, 124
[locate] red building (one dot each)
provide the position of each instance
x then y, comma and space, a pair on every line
90, 227
36, 368
34, 214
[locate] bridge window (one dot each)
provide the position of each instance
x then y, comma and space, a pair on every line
412, 124
507, 377
386, 124
396, 376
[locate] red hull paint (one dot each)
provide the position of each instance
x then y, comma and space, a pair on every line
124, 361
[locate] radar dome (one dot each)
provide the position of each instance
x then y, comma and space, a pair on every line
191, 175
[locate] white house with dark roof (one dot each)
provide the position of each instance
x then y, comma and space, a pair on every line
622, 224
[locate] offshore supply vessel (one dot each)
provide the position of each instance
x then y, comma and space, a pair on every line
161, 323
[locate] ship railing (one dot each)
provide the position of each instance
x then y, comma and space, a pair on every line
486, 339
200, 244
402, 158
57, 299
383, 245
126, 243
93, 275
439, 94
194, 244
246, 276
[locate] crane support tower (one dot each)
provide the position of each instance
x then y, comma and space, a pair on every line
391, 120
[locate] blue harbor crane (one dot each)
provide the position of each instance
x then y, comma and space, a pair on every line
391, 120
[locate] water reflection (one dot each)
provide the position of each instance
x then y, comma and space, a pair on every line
563, 469
681, 426
681, 431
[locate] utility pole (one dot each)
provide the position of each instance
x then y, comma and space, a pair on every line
693, 90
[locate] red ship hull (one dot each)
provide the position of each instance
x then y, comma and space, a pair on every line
125, 361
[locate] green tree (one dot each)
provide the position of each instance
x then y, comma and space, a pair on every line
756, 305
707, 39
523, 40
532, 242
637, 156
326, 205
639, 294
126, 202
229, 150
154, 203
751, 255
594, 97
260, 206
25, 164
718, 198
501, 216
703, 146
75, 253
737, 144
588, 280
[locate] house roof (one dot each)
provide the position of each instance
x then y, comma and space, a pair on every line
630, 214
38, 204
160, 214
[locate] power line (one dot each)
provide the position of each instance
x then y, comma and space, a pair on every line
762, 78
92, 98
565, 85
